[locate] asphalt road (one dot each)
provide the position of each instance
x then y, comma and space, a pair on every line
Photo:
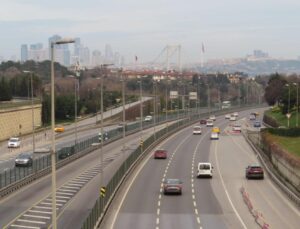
205, 203
29, 205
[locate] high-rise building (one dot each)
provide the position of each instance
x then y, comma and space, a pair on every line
96, 58
108, 58
24, 53
36, 52
77, 47
62, 52
85, 56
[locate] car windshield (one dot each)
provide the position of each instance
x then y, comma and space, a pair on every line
204, 166
255, 167
173, 181
13, 140
197, 128
24, 156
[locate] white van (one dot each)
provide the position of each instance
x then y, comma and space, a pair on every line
209, 123
204, 169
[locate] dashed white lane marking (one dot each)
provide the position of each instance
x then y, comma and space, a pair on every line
196, 211
158, 203
198, 220
36, 216
42, 212
31, 221
157, 220
194, 202
14, 225
158, 211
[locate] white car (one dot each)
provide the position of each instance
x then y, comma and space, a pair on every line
236, 114
227, 116
212, 117
14, 143
214, 136
232, 118
237, 127
148, 118
252, 117
197, 130
209, 123
204, 169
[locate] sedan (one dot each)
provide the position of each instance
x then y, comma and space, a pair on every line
13, 143
59, 129
203, 121
257, 124
160, 154
254, 171
214, 136
212, 117
227, 116
172, 186
24, 159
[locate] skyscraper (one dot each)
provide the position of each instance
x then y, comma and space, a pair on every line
62, 52
108, 58
24, 53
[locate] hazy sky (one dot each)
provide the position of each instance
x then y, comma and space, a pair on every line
228, 28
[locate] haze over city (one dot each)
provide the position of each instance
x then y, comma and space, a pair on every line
228, 29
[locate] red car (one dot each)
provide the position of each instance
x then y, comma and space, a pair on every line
254, 171
160, 154
203, 121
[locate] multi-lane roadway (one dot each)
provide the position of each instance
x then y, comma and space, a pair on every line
228, 200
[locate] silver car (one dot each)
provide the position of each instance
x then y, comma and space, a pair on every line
24, 159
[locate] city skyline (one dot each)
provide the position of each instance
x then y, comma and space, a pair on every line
228, 29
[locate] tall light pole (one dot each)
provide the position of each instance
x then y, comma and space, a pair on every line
123, 105
32, 111
141, 114
289, 99
154, 108
53, 153
208, 98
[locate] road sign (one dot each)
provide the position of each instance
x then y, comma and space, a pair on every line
173, 94
193, 95
141, 142
288, 115
102, 191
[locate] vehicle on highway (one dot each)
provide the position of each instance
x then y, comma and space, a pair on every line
216, 129
203, 121
59, 129
24, 159
197, 130
212, 117
255, 114
232, 118
172, 186
236, 114
254, 171
214, 136
160, 154
209, 123
204, 169
252, 117
227, 116
237, 127
14, 142
257, 124
148, 118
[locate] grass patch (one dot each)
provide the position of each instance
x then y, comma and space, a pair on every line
291, 144
282, 119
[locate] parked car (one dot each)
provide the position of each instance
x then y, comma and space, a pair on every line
203, 121
204, 169
254, 171
14, 142
212, 117
160, 154
257, 124
209, 123
172, 186
59, 129
148, 118
197, 130
214, 136
237, 127
227, 116
24, 159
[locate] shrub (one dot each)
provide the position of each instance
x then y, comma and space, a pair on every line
291, 132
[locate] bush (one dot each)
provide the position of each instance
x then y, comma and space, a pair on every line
291, 132
270, 120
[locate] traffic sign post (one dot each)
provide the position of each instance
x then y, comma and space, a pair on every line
288, 115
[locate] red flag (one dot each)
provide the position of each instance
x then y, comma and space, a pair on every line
203, 50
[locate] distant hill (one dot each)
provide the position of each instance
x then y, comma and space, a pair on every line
255, 67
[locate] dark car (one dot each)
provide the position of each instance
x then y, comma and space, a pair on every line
254, 171
172, 186
203, 121
160, 154
24, 159
257, 124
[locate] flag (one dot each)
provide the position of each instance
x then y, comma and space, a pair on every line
203, 50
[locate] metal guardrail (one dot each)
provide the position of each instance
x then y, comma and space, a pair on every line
272, 175
97, 213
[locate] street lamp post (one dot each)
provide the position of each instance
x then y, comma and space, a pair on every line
53, 153
32, 111
289, 99
154, 108
123, 105
141, 114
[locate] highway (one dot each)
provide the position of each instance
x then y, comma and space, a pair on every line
29, 206
205, 203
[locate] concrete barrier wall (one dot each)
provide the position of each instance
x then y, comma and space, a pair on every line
18, 120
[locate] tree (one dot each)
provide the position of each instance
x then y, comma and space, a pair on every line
5, 92
275, 89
